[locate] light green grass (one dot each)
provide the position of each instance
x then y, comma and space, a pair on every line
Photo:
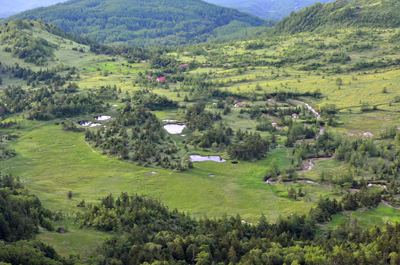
367, 219
66, 163
76, 241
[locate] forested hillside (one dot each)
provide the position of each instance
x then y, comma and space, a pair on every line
266, 9
140, 22
341, 14
17, 39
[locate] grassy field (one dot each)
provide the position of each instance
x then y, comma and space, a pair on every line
368, 218
52, 162
76, 241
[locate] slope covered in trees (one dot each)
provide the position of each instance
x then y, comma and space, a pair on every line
140, 22
266, 9
341, 14
18, 39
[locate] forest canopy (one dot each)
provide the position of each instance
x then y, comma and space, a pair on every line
140, 22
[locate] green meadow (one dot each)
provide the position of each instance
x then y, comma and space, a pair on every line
51, 162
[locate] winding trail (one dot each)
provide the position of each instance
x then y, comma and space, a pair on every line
310, 166
389, 205
317, 115
92, 148
310, 160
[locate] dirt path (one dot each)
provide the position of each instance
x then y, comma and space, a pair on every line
183, 157
317, 115
92, 148
310, 166
389, 205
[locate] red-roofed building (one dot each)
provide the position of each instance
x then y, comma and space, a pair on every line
161, 79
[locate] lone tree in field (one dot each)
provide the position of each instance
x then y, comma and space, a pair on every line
339, 81
69, 195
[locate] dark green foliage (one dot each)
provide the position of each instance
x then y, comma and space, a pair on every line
153, 101
198, 119
253, 147
219, 135
363, 198
338, 57
140, 23
20, 212
150, 232
136, 134
70, 126
54, 101
23, 46
48, 76
265, 126
29, 253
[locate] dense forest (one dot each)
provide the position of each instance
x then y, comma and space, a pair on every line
51, 102
140, 23
341, 14
21, 213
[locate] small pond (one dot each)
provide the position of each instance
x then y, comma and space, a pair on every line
174, 128
84, 123
95, 124
102, 118
198, 158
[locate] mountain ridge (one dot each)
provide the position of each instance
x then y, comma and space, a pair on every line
341, 14
266, 9
140, 22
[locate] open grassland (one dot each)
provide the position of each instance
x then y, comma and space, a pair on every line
52, 162
76, 241
368, 218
